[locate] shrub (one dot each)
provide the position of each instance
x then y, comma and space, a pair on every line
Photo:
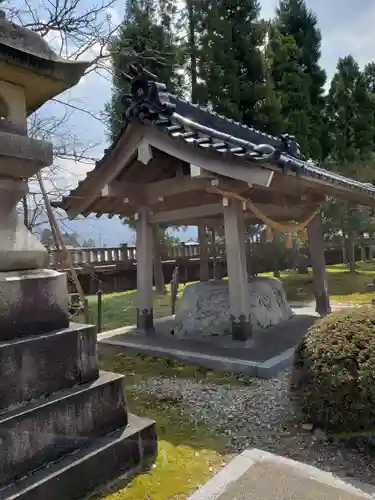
333, 379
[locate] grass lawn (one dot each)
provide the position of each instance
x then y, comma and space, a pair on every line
119, 308
342, 285
188, 454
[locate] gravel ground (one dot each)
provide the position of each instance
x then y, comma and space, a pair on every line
260, 415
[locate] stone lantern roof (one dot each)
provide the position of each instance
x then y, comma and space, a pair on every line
27, 60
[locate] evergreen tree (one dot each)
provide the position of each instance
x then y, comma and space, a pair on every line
294, 19
350, 114
231, 64
369, 77
146, 37
350, 118
190, 21
291, 84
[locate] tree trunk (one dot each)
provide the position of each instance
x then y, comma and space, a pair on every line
193, 50
25, 207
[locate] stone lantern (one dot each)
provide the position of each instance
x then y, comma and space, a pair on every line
64, 426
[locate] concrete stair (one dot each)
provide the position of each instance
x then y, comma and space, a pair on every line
123, 452
64, 426
45, 430
37, 366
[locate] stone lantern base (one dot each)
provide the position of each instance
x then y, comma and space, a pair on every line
64, 426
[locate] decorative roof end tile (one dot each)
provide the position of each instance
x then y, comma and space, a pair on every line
148, 99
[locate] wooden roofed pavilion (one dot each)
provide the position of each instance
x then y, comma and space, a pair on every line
177, 163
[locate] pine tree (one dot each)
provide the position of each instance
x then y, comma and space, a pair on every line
294, 19
291, 84
146, 37
349, 111
231, 63
190, 17
369, 77
350, 115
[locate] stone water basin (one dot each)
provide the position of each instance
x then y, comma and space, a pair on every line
203, 310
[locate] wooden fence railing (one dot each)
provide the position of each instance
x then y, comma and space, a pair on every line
107, 256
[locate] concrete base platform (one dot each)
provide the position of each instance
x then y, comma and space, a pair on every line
124, 452
258, 475
270, 351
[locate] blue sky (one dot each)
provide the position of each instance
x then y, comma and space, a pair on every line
347, 27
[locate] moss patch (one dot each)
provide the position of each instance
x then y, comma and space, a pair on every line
189, 454
342, 285
119, 309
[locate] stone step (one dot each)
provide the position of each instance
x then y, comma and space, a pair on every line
123, 452
38, 366
46, 430
32, 302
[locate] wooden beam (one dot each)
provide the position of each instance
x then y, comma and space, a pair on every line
186, 213
216, 209
317, 189
152, 191
170, 187
209, 160
209, 221
199, 173
114, 163
133, 192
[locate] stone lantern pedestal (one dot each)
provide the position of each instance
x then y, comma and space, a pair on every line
64, 425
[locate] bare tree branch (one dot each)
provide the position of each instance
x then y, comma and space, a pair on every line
76, 30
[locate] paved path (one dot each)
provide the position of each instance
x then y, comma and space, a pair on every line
258, 475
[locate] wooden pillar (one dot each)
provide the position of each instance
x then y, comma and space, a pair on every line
344, 252
213, 253
144, 271
316, 245
237, 273
204, 273
158, 261
371, 252
363, 253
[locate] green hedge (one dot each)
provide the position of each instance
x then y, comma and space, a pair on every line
333, 379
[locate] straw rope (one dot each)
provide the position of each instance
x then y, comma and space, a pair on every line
284, 228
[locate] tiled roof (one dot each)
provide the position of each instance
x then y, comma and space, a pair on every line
209, 131
261, 149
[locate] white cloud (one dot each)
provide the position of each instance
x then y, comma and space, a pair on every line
67, 173
356, 37
114, 16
